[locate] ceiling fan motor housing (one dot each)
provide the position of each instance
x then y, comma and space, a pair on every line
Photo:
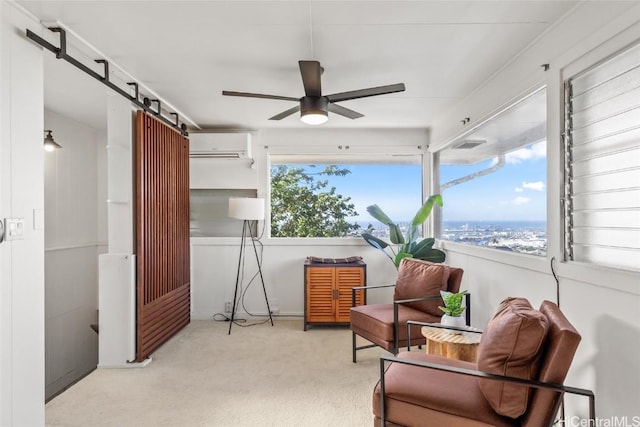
314, 105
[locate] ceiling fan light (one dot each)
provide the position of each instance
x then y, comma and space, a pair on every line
314, 117
314, 110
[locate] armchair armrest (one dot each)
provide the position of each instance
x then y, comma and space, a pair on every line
485, 375
396, 325
425, 298
467, 298
373, 287
404, 301
365, 289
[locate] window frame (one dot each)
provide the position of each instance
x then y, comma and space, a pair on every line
530, 261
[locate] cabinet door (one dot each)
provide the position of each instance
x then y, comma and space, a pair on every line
347, 278
320, 295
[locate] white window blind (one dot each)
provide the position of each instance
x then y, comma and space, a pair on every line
602, 163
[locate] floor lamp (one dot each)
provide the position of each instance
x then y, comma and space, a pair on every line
247, 209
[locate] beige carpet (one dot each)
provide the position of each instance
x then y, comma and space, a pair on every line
258, 376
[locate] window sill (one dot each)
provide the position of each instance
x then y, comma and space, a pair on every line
515, 259
281, 241
610, 278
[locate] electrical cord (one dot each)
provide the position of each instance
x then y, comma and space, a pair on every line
244, 289
557, 279
217, 318
562, 418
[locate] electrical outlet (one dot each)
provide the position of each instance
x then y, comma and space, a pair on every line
275, 311
228, 306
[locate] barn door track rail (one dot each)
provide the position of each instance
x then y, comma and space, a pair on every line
146, 104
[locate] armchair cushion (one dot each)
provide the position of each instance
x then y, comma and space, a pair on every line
511, 345
427, 397
419, 278
375, 323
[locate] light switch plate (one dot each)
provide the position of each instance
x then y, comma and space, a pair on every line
38, 219
14, 228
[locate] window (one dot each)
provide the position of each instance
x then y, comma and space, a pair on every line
493, 181
316, 196
602, 163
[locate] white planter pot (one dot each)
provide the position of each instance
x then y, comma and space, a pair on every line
453, 321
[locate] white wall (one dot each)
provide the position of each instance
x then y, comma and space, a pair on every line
21, 196
72, 245
215, 262
117, 265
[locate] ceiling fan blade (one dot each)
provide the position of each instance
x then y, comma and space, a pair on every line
363, 93
339, 109
311, 72
258, 95
286, 113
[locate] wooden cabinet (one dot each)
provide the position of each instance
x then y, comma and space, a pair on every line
327, 292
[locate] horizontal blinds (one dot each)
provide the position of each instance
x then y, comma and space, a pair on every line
603, 126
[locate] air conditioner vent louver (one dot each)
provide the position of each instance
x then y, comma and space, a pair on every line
214, 155
469, 143
220, 145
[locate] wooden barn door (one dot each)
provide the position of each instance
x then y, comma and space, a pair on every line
162, 210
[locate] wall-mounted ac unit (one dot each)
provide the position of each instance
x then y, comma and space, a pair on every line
220, 145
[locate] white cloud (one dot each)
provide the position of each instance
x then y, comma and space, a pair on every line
519, 190
536, 151
537, 186
521, 200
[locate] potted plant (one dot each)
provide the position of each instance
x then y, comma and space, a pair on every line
453, 309
407, 245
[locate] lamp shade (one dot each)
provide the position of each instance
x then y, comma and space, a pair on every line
246, 208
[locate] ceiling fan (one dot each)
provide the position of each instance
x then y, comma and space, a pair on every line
314, 107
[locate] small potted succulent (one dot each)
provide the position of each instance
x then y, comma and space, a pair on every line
453, 309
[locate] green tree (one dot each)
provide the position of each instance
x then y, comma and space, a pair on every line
303, 204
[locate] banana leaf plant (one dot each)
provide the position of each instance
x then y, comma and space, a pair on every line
407, 245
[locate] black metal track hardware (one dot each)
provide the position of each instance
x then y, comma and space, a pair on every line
61, 53
135, 88
106, 68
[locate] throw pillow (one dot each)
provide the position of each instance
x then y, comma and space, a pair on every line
511, 345
418, 278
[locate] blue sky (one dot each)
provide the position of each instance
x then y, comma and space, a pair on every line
515, 192
395, 188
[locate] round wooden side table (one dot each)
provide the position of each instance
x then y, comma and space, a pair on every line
461, 346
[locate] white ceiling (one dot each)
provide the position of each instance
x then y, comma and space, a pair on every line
189, 51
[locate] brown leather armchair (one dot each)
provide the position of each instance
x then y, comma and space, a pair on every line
519, 346
416, 297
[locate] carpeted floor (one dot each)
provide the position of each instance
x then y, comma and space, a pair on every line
257, 376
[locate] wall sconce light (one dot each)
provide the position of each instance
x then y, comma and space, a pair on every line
49, 143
